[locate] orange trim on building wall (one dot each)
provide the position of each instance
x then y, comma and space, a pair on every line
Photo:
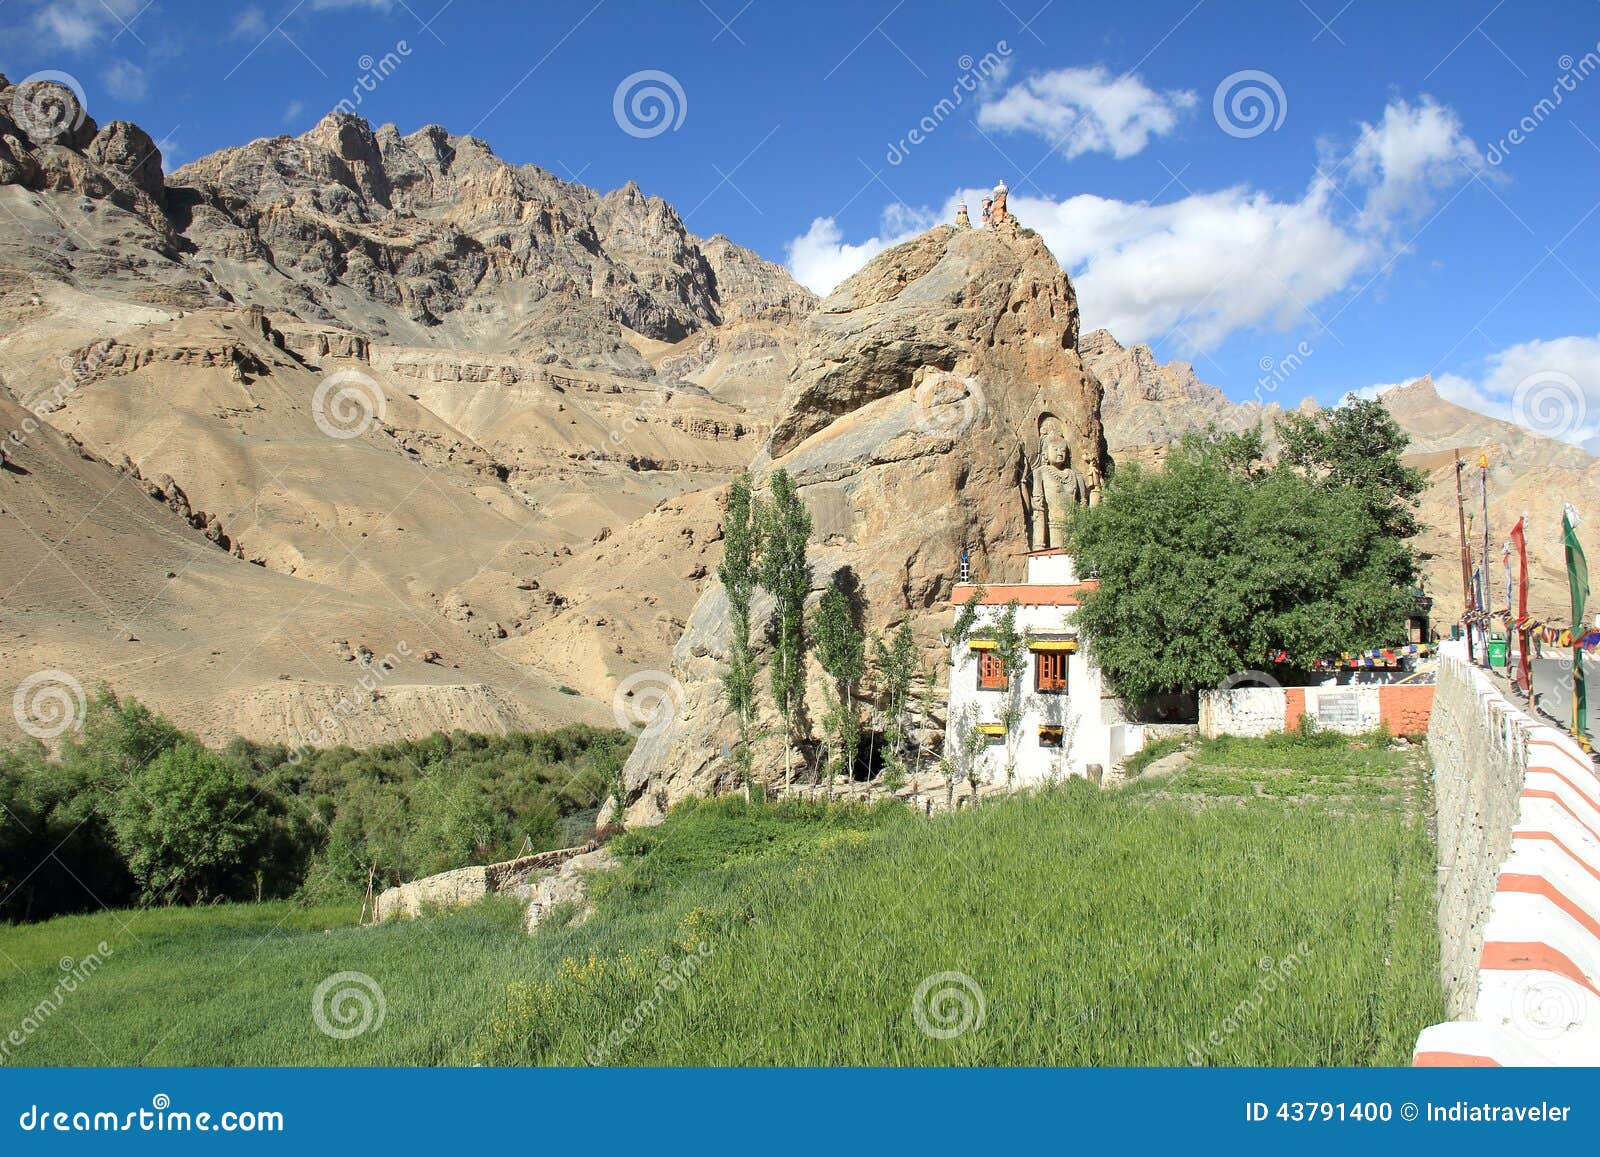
1028, 594
1294, 706
1571, 855
1540, 793
1405, 709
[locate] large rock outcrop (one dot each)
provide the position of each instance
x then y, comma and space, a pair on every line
911, 424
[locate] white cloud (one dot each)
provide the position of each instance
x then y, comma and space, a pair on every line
292, 111
1551, 386
126, 80
820, 258
74, 25
1198, 268
1412, 153
1087, 110
1194, 270
249, 24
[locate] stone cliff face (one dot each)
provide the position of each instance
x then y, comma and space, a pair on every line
543, 381
441, 233
911, 424
425, 239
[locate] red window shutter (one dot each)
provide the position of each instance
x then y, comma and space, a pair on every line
1050, 671
991, 672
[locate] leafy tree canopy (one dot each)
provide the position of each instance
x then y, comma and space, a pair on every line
1214, 564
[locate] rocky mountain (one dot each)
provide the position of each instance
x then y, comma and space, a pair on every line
309, 399
910, 425
1148, 406
386, 368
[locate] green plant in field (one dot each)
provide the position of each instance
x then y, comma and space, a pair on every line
896, 663
785, 528
841, 650
1150, 752
738, 574
960, 760
1053, 899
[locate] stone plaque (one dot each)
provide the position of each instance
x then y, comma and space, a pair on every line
1339, 711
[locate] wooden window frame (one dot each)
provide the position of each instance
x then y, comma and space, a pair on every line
1055, 684
1056, 734
991, 672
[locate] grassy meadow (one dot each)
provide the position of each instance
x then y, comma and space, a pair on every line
1269, 904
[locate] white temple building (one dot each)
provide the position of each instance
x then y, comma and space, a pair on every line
1068, 724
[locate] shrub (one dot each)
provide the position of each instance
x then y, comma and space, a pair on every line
189, 826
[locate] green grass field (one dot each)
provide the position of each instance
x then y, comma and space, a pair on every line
1271, 904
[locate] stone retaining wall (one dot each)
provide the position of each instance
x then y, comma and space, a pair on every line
1254, 711
1519, 881
464, 886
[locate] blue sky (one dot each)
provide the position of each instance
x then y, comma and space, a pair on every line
1321, 195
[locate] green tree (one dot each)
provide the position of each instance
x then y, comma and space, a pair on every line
1357, 446
896, 663
841, 649
1208, 568
189, 826
960, 759
1011, 648
786, 575
737, 572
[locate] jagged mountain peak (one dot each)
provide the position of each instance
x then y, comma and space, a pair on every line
418, 237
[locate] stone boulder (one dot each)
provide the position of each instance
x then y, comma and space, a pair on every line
127, 148
569, 885
911, 423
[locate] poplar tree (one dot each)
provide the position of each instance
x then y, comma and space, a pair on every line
784, 573
737, 573
896, 661
841, 649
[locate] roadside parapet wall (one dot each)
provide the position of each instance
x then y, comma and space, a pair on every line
1518, 812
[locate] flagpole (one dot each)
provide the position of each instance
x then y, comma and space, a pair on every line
1466, 564
1578, 581
1483, 490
